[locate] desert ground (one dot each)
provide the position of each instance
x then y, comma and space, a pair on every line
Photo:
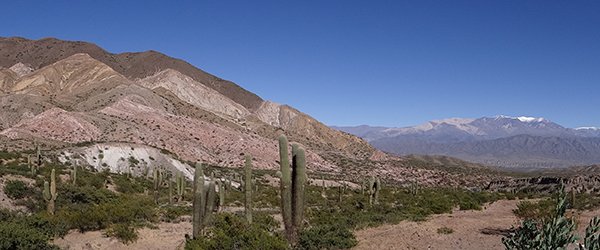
467, 225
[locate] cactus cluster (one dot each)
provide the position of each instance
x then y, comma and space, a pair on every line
204, 201
292, 188
50, 192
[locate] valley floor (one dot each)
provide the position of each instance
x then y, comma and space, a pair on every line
467, 233
166, 236
467, 229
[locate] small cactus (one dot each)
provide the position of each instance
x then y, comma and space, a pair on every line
50, 193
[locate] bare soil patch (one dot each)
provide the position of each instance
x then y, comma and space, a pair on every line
167, 236
466, 226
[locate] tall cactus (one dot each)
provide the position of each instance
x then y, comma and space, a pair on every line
170, 190
204, 201
199, 201
248, 188
221, 186
32, 168
374, 187
157, 183
210, 201
292, 188
50, 193
180, 186
74, 174
286, 187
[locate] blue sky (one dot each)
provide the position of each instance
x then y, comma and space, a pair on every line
392, 63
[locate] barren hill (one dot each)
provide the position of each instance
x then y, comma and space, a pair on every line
43, 52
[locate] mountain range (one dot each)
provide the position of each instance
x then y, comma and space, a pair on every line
522, 142
131, 112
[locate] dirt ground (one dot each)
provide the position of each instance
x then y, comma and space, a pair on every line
167, 236
467, 227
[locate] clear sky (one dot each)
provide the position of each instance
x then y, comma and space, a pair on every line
392, 63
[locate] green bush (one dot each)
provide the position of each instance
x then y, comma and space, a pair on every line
230, 231
127, 186
555, 232
172, 213
445, 230
20, 236
135, 210
124, 232
16, 189
536, 211
333, 236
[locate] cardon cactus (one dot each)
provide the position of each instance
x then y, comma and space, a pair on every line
248, 188
50, 193
204, 201
74, 174
157, 183
199, 202
374, 187
292, 188
32, 168
210, 201
180, 186
170, 191
221, 186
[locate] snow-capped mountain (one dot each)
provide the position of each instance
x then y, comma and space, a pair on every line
498, 140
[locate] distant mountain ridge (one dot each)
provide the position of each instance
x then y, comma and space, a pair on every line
523, 142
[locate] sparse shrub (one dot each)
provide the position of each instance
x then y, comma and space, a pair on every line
332, 236
537, 211
555, 232
16, 189
20, 236
230, 231
172, 213
122, 231
445, 230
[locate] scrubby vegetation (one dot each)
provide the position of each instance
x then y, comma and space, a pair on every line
16, 189
121, 204
231, 231
86, 205
552, 232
